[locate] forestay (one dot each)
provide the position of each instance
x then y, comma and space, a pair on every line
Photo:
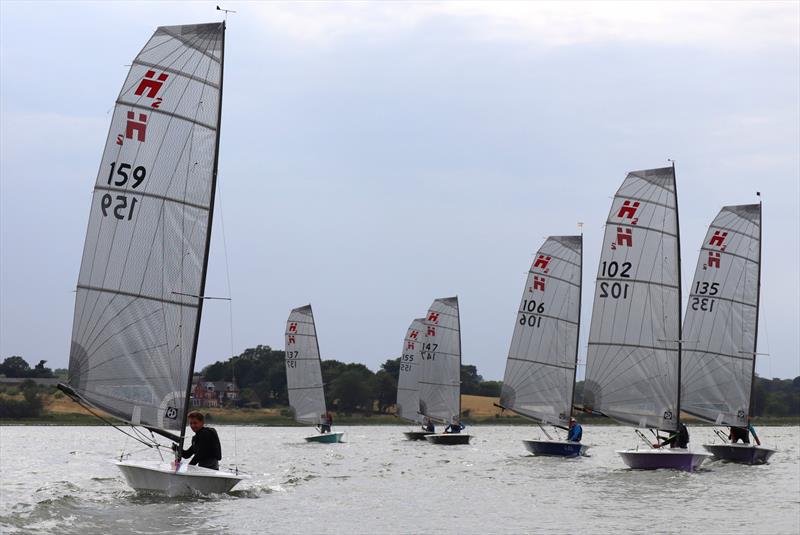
440, 373
303, 371
633, 356
408, 380
540, 370
721, 319
138, 303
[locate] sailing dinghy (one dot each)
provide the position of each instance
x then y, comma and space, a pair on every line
304, 375
141, 285
408, 379
634, 357
440, 373
539, 382
721, 329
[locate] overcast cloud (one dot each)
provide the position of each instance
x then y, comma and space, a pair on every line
375, 156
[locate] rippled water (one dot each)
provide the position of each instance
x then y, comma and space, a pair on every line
56, 480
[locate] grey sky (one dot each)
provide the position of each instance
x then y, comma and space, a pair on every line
377, 156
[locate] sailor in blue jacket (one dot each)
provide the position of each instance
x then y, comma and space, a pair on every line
575, 431
454, 427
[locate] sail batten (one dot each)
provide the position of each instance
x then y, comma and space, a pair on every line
540, 367
303, 367
722, 318
634, 350
136, 308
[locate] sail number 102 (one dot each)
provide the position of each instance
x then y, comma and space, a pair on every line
614, 290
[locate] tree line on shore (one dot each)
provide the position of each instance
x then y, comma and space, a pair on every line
260, 373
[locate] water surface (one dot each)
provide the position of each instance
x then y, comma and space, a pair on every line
57, 480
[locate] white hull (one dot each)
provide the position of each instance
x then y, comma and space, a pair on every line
159, 477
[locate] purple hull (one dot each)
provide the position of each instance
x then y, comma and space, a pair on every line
555, 448
675, 459
416, 435
740, 453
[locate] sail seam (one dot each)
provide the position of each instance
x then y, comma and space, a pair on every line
131, 294
159, 111
176, 72
548, 364
154, 196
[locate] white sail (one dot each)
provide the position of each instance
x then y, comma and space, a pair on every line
634, 354
440, 373
408, 380
721, 320
303, 370
142, 274
540, 370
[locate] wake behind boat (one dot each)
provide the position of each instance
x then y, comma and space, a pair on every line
140, 292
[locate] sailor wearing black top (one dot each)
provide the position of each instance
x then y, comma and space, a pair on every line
205, 444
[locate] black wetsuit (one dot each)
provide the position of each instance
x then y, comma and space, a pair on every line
205, 448
429, 428
680, 439
739, 433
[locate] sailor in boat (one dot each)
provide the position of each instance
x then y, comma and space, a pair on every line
679, 439
455, 427
739, 433
575, 431
427, 426
205, 447
326, 421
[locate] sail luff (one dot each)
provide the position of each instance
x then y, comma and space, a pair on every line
758, 306
204, 273
578, 331
680, 290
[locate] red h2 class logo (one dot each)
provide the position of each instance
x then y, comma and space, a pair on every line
542, 262
434, 317
628, 211
138, 127
431, 330
624, 237
151, 85
413, 335
293, 327
713, 260
718, 239
409, 345
290, 339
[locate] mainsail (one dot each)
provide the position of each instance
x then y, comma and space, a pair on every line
142, 277
408, 380
540, 370
303, 370
722, 319
633, 360
440, 373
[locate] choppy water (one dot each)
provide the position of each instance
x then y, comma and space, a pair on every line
55, 480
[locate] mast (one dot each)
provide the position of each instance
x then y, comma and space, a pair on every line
578, 336
680, 294
187, 400
758, 304
319, 359
458, 316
